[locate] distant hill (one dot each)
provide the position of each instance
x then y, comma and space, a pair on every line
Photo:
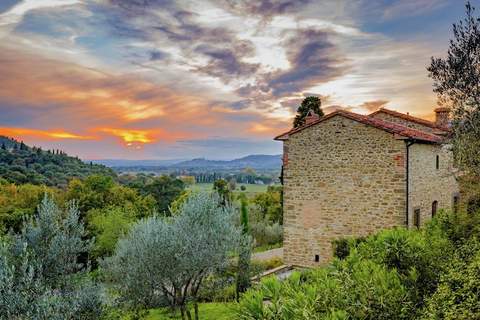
113, 163
256, 162
252, 161
20, 164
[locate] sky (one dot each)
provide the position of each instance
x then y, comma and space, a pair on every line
160, 79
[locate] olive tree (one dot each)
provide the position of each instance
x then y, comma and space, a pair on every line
457, 83
40, 277
163, 260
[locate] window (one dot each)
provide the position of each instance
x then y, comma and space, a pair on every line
437, 162
416, 218
434, 208
455, 203
317, 258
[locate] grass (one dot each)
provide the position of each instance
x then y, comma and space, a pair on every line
207, 311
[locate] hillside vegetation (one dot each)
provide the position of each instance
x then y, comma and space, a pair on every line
20, 164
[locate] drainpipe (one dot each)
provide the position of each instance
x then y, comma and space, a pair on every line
408, 143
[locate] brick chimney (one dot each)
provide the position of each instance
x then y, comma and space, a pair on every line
311, 117
442, 116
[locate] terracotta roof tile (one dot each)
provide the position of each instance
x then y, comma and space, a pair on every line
409, 118
391, 127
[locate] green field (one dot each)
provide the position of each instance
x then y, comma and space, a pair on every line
250, 188
207, 311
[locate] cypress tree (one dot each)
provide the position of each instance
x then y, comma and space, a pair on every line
243, 273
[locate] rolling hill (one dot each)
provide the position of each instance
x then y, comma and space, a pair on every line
20, 163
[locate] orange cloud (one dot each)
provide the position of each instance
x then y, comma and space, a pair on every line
21, 132
138, 111
130, 136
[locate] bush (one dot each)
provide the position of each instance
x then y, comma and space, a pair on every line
457, 296
342, 247
40, 276
266, 234
350, 289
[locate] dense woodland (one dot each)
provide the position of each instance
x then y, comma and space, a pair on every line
20, 164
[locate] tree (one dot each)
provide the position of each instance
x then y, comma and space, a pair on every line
165, 259
165, 190
244, 257
270, 204
309, 103
223, 190
457, 84
40, 276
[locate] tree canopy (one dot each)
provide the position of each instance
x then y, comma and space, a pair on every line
309, 103
165, 259
457, 83
21, 164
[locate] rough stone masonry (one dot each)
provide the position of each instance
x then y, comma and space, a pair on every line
345, 175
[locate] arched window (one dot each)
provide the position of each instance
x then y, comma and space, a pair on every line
434, 208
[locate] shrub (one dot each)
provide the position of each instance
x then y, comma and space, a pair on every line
266, 234
342, 247
40, 277
418, 256
350, 289
457, 296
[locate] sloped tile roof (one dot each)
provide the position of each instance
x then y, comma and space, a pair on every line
410, 118
398, 129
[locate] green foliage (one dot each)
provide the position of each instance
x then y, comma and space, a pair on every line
164, 190
244, 257
309, 103
419, 257
270, 204
360, 289
21, 164
457, 296
265, 233
432, 273
456, 81
343, 246
108, 225
20, 202
223, 191
164, 260
109, 209
40, 276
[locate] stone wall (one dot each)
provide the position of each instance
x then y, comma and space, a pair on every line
343, 178
409, 124
427, 183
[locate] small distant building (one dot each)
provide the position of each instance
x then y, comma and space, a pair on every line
350, 175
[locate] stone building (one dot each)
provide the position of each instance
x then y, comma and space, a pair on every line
348, 175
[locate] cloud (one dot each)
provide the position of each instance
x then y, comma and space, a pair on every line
371, 106
266, 8
313, 60
53, 134
225, 64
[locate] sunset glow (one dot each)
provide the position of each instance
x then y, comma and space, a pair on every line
182, 79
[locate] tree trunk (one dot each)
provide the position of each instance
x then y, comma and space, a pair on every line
195, 306
182, 312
